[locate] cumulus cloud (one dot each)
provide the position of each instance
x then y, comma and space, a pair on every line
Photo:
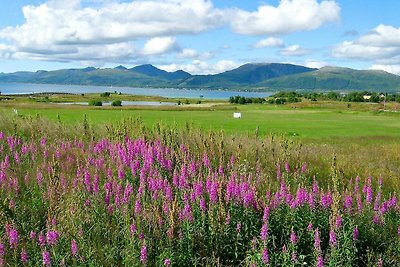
269, 42
159, 45
61, 30
381, 46
395, 69
188, 53
66, 28
317, 64
289, 16
294, 51
202, 67
383, 42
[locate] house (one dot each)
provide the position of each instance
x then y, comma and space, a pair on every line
367, 97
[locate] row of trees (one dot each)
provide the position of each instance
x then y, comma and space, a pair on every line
363, 96
246, 100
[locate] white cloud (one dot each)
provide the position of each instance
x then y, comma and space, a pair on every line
289, 16
188, 53
159, 45
202, 67
66, 28
317, 64
394, 69
269, 42
294, 51
381, 46
107, 30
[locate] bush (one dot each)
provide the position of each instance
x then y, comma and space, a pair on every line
105, 94
96, 103
116, 103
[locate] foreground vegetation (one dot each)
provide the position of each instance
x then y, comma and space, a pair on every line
127, 194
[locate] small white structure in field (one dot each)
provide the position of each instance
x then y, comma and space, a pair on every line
15, 112
237, 115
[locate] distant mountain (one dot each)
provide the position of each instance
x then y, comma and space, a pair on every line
148, 70
260, 76
336, 78
143, 76
248, 74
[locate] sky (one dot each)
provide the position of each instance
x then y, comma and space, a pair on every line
198, 36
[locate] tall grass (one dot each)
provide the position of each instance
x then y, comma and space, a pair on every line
129, 195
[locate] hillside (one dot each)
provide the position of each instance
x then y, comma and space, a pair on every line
245, 75
336, 78
260, 76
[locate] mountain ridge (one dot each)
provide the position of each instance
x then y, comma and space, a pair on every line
250, 76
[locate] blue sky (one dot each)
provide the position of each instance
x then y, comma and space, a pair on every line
198, 36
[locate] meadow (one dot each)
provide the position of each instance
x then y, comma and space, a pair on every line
315, 185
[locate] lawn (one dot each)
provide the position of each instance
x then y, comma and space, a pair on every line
308, 124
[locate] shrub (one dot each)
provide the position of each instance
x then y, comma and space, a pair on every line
96, 103
105, 94
116, 103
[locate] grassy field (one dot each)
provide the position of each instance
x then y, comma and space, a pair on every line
316, 124
172, 189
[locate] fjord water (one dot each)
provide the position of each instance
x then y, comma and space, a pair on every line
25, 88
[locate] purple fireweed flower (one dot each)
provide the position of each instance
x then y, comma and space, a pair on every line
266, 214
39, 178
143, 254
294, 256
42, 240
46, 258
377, 201
32, 235
132, 228
309, 227
293, 238
2, 250
13, 238
238, 227
167, 262
398, 231
368, 192
332, 238
356, 233
74, 247
24, 256
376, 219
228, 218
380, 262
138, 206
141, 236
52, 237
348, 203
202, 205
287, 167
264, 232
339, 221
320, 261
317, 240
265, 257
326, 199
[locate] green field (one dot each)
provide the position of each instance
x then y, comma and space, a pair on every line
308, 124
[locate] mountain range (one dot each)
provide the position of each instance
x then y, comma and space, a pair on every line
259, 76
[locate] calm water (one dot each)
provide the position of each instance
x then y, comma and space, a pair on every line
24, 88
